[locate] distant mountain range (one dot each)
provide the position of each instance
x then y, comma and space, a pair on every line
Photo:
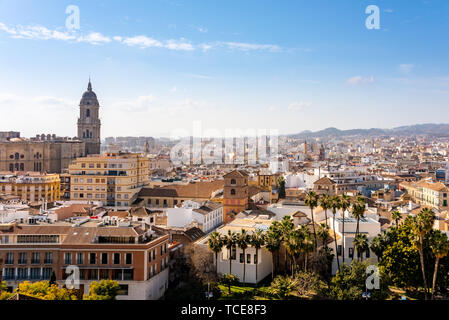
431, 129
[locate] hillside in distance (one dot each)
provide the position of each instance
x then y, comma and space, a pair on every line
431, 129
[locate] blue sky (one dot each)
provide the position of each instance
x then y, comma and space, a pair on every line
158, 66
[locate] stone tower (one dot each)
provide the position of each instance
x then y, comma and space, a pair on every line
235, 194
89, 122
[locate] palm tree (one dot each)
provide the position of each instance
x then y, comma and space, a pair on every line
377, 246
215, 243
285, 227
422, 226
358, 211
345, 203
396, 216
335, 205
440, 248
325, 203
292, 246
242, 242
273, 243
307, 244
361, 245
311, 201
323, 234
229, 241
257, 241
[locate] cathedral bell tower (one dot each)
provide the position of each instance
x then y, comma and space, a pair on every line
89, 122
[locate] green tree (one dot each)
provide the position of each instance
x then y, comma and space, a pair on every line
396, 216
228, 280
345, 203
350, 282
440, 247
325, 203
377, 245
243, 241
285, 227
358, 211
283, 286
311, 201
215, 244
323, 233
422, 226
103, 290
230, 241
273, 243
257, 241
46, 291
281, 185
361, 244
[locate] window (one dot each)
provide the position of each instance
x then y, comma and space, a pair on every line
255, 259
242, 258
92, 258
35, 258
22, 258
104, 258
339, 248
9, 258
48, 258
351, 252
232, 191
80, 258
233, 253
116, 258
67, 258
46, 273
248, 258
35, 273
233, 181
129, 258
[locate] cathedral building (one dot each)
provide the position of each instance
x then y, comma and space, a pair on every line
89, 122
50, 153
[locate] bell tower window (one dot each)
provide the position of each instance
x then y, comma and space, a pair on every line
88, 113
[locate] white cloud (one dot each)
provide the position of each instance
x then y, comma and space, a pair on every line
142, 41
94, 38
406, 68
252, 46
298, 106
360, 80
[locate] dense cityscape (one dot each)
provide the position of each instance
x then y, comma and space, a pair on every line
220, 159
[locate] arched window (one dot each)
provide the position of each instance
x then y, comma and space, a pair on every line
232, 191
16, 155
232, 181
88, 113
11, 167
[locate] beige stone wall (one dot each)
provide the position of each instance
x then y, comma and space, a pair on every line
52, 157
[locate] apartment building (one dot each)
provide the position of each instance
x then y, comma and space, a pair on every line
115, 179
434, 194
132, 254
31, 186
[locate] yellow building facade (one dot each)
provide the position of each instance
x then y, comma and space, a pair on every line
31, 186
115, 179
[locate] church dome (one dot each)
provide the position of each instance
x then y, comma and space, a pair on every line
89, 97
